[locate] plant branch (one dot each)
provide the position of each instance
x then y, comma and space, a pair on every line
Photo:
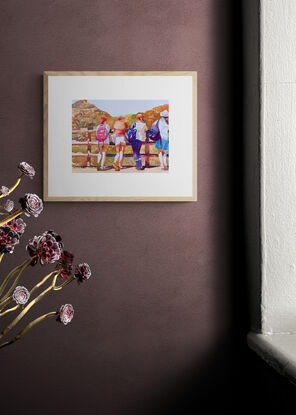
8, 300
9, 310
5, 302
13, 187
59, 287
28, 327
10, 275
42, 282
16, 280
28, 307
14, 215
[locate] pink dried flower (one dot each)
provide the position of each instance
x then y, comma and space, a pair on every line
46, 247
9, 205
65, 264
17, 225
32, 204
8, 239
4, 190
21, 295
82, 272
26, 169
66, 313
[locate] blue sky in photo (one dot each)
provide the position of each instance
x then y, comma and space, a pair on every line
122, 107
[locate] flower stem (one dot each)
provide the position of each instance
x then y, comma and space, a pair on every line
28, 327
27, 308
5, 302
9, 299
16, 280
13, 187
1, 257
10, 275
59, 287
9, 310
14, 215
41, 282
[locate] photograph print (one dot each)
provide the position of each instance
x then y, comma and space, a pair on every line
127, 136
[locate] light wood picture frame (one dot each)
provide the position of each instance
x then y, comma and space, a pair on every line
120, 136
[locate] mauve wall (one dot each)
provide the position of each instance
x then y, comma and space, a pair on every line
151, 326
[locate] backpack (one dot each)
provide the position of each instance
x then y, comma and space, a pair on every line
131, 134
102, 133
154, 133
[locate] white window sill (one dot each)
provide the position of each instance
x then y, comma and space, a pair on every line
278, 350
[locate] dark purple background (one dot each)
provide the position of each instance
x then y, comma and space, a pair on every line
155, 328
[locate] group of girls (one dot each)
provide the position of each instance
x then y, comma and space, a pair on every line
119, 139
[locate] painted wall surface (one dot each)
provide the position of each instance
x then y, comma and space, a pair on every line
278, 34
152, 326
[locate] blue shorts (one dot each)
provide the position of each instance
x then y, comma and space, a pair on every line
162, 145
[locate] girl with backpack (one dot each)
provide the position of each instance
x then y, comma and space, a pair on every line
162, 145
119, 128
141, 128
102, 136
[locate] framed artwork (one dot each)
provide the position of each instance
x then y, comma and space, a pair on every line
120, 136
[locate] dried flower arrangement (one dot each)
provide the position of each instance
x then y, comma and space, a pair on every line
46, 249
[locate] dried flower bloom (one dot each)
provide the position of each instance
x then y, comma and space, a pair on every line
9, 205
65, 264
8, 239
21, 295
4, 190
17, 225
66, 313
46, 247
82, 272
33, 250
26, 169
32, 204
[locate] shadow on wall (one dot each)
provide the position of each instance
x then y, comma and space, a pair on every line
225, 371
203, 385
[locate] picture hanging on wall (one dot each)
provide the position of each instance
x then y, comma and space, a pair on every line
120, 136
